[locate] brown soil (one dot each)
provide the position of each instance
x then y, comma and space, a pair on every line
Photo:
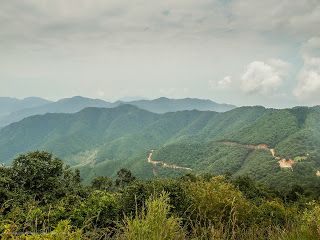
163, 164
283, 162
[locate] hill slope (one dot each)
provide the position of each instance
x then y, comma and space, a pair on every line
247, 140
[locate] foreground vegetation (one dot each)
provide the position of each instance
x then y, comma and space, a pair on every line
41, 198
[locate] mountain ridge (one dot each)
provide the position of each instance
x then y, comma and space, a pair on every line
77, 103
9, 104
101, 140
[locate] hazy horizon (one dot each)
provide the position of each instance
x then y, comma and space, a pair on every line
136, 98
240, 52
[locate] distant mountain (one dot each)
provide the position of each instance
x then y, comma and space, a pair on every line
132, 98
75, 104
278, 147
163, 105
9, 105
66, 105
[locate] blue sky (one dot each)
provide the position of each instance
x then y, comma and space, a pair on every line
244, 52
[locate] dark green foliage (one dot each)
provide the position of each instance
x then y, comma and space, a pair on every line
99, 210
124, 177
101, 183
295, 193
134, 197
190, 207
250, 188
271, 128
101, 141
42, 175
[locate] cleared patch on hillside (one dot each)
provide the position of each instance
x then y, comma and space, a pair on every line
163, 164
283, 162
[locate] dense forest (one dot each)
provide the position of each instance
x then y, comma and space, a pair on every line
42, 198
100, 141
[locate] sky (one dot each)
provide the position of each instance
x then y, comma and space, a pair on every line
243, 52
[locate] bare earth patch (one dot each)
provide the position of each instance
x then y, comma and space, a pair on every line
283, 162
163, 164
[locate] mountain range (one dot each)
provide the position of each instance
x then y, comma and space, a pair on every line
163, 105
14, 110
9, 105
277, 147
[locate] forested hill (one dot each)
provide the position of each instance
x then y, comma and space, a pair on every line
14, 110
99, 141
110, 133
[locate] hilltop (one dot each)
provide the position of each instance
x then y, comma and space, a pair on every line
14, 110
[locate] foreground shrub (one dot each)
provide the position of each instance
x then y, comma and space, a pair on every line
63, 231
311, 218
217, 201
154, 222
271, 213
99, 210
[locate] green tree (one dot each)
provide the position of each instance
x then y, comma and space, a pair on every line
44, 176
101, 183
6, 185
124, 177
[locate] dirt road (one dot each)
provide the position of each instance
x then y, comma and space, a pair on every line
163, 164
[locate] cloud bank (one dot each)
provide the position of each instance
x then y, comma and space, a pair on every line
264, 78
308, 88
150, 48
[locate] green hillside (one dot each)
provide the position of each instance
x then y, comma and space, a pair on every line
99, 141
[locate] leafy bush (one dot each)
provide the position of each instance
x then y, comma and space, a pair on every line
57, 206
217, 201
153, 222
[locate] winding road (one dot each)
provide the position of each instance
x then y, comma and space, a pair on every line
163, 164
283, 162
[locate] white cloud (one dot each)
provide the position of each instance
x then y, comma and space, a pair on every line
264, 78
225, 82
308, 87
221, 84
